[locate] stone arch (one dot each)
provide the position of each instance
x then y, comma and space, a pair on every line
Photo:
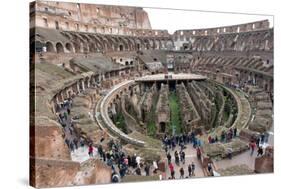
69, 47
111, 43
100, 45
59, 47
50, 47
108, 45
87, 82
77, 47
131, 43
169, 44
121, 47
138, 44
151, 43
124, 43
92, 47
85, 47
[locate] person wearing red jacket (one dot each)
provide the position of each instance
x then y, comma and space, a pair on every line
171, 167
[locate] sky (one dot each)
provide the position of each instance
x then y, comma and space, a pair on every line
182, 19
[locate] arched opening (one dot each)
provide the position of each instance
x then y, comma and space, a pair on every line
162, 127
138, 46
69, 47
77, 47
121, 47
85, 48
50, 47
92, 47
57, 25
59, 48
147, 46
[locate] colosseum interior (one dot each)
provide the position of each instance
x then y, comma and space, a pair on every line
113, 97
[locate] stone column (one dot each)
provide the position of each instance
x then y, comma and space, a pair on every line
67, 93
62, 97
57, 99
54, 106
78, 89
88, 84
83, 85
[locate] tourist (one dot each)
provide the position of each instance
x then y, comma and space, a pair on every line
102, 136
129, 161
210, 139
146, 169
100, 151
65, 115
70, 130
195, 143
181, 172
82, 142
122, 171
177, 139
198, 152
192, 136
234, 132
252, 147
182, 146
171, 167
210, 169
262, 138
169, 143
189, 170
67, 142
266, 136
138, 160
75, 142
185, 138
126, 161
193, 169
182, 155
155, 165
138, 171
177, 159
216, 139
71, 145
169, 157
166, 148
173, 144
114, 177
260, 151
257, 141
90, 150
104, 156
223, 136
134, 163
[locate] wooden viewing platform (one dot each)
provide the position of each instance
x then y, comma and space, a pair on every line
170, 77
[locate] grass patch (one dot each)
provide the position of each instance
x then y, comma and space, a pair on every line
119, 121
175, 122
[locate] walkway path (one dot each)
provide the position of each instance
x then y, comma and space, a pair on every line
243, 158
78, 153
190, 156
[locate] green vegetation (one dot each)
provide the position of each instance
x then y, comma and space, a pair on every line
119, 121
175, 122
151, 126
